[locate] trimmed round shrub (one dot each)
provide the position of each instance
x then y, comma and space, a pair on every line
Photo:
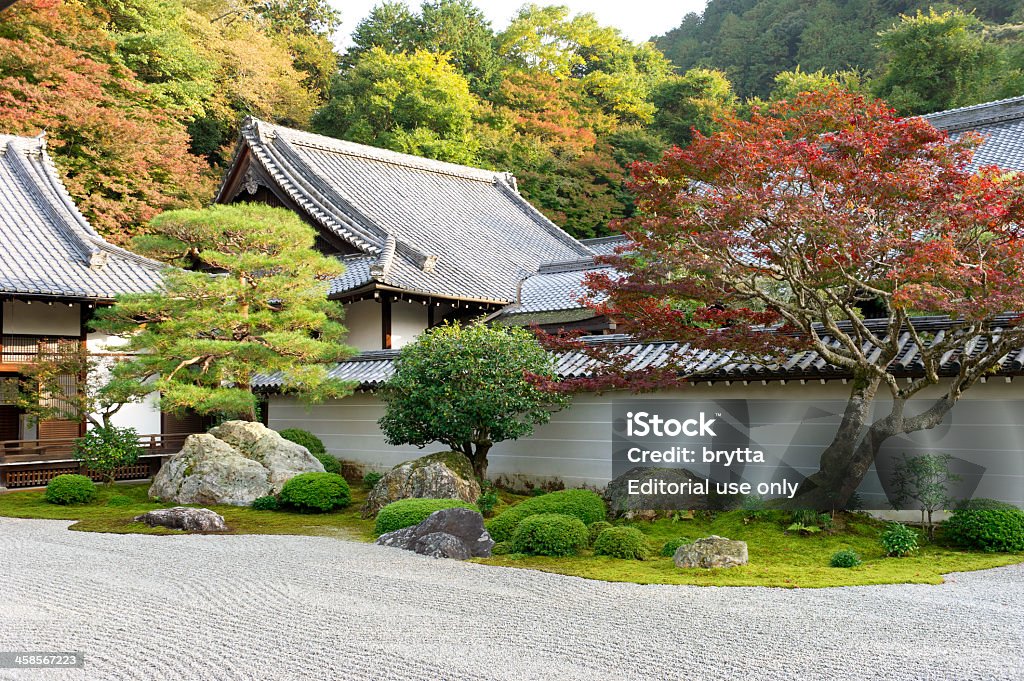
315, 492
595, 529
845, 559
898, 540
331, 464
993, 529
269, 503
550, 534
668, 549
371, 479
409, 512
582, 504
502, 548
305, 438
628, 543
119, 500
983, 504
70, 489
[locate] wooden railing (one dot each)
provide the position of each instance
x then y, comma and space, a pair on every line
59, 449
20, 349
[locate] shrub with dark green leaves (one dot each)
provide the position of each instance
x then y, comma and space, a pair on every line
628, 543
550, 534
845, 559
105, 450
597, 528
898, 540
268, 503
331, 464
409, 512
992, 529
502, 548
487, 501
315, 493
70, 489
668, 549
582, 504
305, 438
371, 479
983, 504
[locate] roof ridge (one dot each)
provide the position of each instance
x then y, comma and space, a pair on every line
542, 220
967, 117
576, 265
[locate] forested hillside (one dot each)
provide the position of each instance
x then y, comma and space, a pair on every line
141, 99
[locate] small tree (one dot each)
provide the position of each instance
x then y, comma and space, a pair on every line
467, 387
254, 300
104, 450
922, 481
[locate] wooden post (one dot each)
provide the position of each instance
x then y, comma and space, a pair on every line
385, 322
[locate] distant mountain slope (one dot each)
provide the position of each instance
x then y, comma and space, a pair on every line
752, 40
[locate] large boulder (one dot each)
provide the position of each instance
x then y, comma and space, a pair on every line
182, 518
622, 503
446, 475
457, 533
711, 552
234, 464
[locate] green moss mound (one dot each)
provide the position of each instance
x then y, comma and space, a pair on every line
70, 489
316, 493
305, 438
409, 512
584, 505
991, 529
627, 543
268, 503
550, 534
845, 559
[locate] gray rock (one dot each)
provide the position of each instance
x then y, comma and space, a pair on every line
449, 533
445, 475
182, 518
622, 503
235, 463
711, 552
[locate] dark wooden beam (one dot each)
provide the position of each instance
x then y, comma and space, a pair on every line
385, 322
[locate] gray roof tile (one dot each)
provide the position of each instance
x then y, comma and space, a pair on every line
1002, 124
47, 248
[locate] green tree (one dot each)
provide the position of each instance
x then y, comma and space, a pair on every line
789, 84
390, 26
937, 61
106, 449
414, 103
468, 387
252, 301
923, 482
691, 101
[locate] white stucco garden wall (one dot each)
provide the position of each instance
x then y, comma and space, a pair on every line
143, 416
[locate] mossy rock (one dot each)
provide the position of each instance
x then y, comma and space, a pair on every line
444, 475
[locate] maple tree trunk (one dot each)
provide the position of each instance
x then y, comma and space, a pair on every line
479, 460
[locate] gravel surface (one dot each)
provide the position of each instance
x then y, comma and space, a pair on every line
276, 607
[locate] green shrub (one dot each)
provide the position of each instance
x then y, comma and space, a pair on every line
845, 559
409, 512
305, 438
550, 534
70, 489
982, 504
502, 548
331, 464
668, 549
898, 540
488, 499
104, 450
119, 500
993, 529
584, 505
269, 503
622, 542
315, 492
371, 479
594, 529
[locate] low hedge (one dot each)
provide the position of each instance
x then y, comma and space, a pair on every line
70, 489
331, 464
595, 529
991, 529
305, 438
584, 505
622, 542
268, 503
409, 512
315, 493
550, 534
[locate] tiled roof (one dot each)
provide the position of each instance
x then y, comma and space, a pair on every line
1002, 124
605, 245
370, 369
424, 226
555, 287
47, 248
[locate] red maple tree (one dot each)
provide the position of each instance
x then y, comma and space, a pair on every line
781, 232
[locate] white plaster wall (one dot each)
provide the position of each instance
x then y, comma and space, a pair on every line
42, 319
143, 416
575, 447
362, 319
408, 320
